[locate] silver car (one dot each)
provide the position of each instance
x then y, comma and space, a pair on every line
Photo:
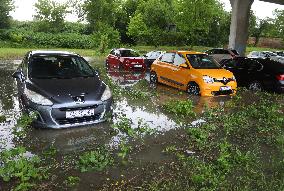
62, 90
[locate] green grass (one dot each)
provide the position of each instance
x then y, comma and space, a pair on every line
18, 53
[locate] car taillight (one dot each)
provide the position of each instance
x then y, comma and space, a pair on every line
280, 77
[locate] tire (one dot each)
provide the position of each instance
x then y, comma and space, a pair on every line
193, 88
153, 77
255, 86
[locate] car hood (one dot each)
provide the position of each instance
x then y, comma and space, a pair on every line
62, 90
215, 73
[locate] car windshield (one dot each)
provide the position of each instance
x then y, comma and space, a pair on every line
59, 67
128, 53
202, 61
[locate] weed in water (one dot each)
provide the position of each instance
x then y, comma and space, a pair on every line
23, 123
125, 149
2, 118
72, 181
124, 125
14, 165
96, 160
180, 108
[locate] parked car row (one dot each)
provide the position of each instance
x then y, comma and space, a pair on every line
63, 90
204, 73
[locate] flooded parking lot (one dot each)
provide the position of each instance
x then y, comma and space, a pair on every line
138, 135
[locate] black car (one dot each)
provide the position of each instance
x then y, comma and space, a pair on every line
61, 89
150, 57
256, 73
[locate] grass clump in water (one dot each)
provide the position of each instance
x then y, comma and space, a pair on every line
96, 160
2, 118
16, 167
180, 108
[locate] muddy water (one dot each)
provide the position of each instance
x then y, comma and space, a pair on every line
69, 142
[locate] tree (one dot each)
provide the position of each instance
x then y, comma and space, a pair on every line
50, 15
5, 7
279, 22
99, 13
124, 12
150, 21
201, 19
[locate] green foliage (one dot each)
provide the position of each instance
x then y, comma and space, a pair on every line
180, 108
239, 149
50, 15
97, 160
23, 123
279, 22
72, 181
124, 150
2, 118
99, 12
6, 6
125, 126
15, 165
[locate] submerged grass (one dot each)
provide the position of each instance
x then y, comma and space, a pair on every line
241, 150
2, 118
25, 170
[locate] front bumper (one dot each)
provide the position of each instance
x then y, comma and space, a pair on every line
214, 89
55, 116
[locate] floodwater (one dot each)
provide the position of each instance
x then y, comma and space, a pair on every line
71, 142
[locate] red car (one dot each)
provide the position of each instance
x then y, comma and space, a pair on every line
127, 59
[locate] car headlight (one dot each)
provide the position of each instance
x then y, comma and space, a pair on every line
233, 78
208, 79
37, 98
107, 94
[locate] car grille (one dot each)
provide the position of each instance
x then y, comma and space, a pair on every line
226, 92
78, 120
78, 108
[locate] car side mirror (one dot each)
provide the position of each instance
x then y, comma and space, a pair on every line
17, 75
184, 65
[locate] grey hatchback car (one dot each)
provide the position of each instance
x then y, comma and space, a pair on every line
62, 89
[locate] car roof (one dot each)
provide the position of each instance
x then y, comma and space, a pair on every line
188, 52
124, 49
52, 52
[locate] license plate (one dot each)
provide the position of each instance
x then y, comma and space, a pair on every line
225, 88
137, 66
80, 113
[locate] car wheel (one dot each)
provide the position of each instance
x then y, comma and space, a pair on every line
255, 86
153, 77
193, 88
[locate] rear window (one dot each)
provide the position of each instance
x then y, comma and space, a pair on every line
128, 53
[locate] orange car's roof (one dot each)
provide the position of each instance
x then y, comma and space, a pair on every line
189, 52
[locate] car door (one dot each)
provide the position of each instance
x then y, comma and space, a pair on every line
179, 74
238, 68
165, 66
113, 58
262, 74
23, 69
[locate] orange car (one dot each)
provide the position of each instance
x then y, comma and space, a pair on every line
194, 72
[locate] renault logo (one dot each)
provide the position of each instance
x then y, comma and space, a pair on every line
225, 80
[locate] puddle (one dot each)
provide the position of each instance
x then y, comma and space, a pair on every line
68, 141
